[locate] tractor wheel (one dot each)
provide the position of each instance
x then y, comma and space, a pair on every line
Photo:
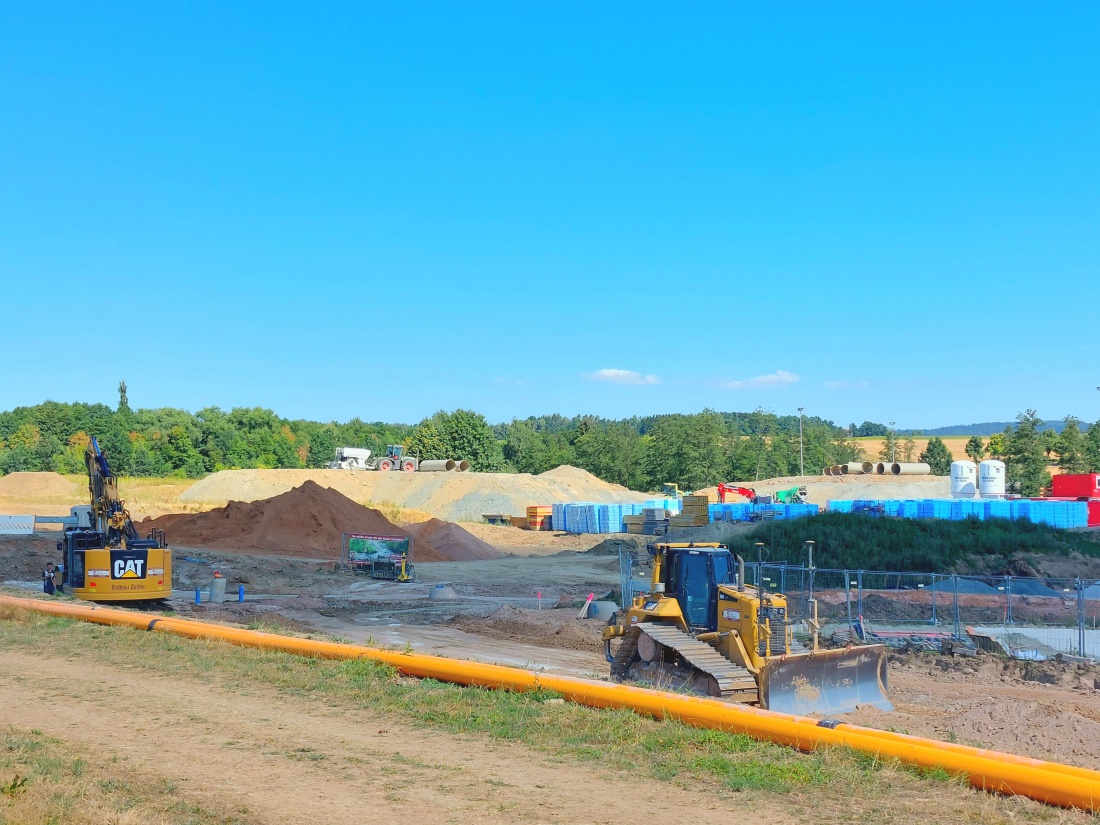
385, 465
409, 466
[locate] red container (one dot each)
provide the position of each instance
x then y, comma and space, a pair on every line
1076, 486
1094, 513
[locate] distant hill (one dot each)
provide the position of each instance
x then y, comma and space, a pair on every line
986, 428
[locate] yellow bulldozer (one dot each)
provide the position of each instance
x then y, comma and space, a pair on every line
701, 628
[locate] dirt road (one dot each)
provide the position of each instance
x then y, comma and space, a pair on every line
270, 758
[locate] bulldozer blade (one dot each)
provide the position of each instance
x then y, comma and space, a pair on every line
826, 682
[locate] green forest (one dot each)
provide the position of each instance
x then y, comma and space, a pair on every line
642, 453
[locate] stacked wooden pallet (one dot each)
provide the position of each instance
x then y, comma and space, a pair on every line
694, 513
634, 524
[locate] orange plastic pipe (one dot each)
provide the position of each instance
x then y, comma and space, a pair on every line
1048, 782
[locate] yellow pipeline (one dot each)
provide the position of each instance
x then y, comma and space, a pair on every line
1047, 782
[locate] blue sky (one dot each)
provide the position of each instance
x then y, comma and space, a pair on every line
874, 211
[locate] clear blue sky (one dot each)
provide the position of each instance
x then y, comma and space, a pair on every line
875, 211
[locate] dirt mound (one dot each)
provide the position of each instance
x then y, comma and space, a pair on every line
26, 485
559, 629
449, 496
451, 541
309, 521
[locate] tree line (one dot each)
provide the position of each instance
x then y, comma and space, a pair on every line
643, 453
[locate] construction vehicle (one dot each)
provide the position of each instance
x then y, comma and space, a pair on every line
793, 495
105, 559
701, 628
357, 458
746, 492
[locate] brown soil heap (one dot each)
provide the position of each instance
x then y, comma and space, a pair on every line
450, 541
307, 521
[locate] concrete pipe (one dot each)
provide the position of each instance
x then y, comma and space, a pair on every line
852, 468
910, 469
444, 465
828, 471
1050, 782
868, 467
838, 470
883, 468
462, 466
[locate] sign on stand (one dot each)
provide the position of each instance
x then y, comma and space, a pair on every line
377, 556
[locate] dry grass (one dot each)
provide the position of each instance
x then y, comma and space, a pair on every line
47, 780
398, 515
834, 785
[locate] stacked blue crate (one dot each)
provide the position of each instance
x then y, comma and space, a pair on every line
1000, 509
1020, 509
926, 508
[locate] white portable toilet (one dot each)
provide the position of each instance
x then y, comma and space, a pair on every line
991, 479
964, 479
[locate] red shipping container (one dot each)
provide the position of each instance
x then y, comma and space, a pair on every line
1077, 486
1094, 513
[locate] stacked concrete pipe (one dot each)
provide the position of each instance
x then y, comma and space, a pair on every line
462, 466
916, 468
441, 465
852, 468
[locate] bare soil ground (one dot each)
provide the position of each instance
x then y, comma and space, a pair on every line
265, 757
1047, 710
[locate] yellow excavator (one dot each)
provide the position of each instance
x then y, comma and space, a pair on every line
700, 628
105, 558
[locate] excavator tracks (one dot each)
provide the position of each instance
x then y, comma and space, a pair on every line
726, 679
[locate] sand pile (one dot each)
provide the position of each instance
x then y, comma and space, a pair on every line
449, 496
451, 541
309, 521
30, 485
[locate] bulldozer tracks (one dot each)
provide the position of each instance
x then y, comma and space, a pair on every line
733, 681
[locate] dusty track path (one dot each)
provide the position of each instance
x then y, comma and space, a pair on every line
273, 758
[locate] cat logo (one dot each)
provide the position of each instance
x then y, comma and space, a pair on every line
128, 564
128, 569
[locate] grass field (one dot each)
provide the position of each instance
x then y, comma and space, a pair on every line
841, 785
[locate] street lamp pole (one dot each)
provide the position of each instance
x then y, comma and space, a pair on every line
801, 455
893, 443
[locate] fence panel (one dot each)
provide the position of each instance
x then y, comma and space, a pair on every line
1023, 617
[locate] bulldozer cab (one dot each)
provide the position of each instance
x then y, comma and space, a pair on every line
692, 576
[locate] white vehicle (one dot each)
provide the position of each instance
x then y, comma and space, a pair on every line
358, 458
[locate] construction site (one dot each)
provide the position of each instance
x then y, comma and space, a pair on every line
549, 414
473, 571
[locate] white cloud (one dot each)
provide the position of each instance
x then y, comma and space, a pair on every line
775, 379
848, 385
623, 377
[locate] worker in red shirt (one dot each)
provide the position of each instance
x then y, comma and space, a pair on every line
721, 492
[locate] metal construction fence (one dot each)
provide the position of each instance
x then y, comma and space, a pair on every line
1027, 618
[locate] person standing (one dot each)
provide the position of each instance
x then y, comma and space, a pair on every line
721, 492
47, 579
59, 578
